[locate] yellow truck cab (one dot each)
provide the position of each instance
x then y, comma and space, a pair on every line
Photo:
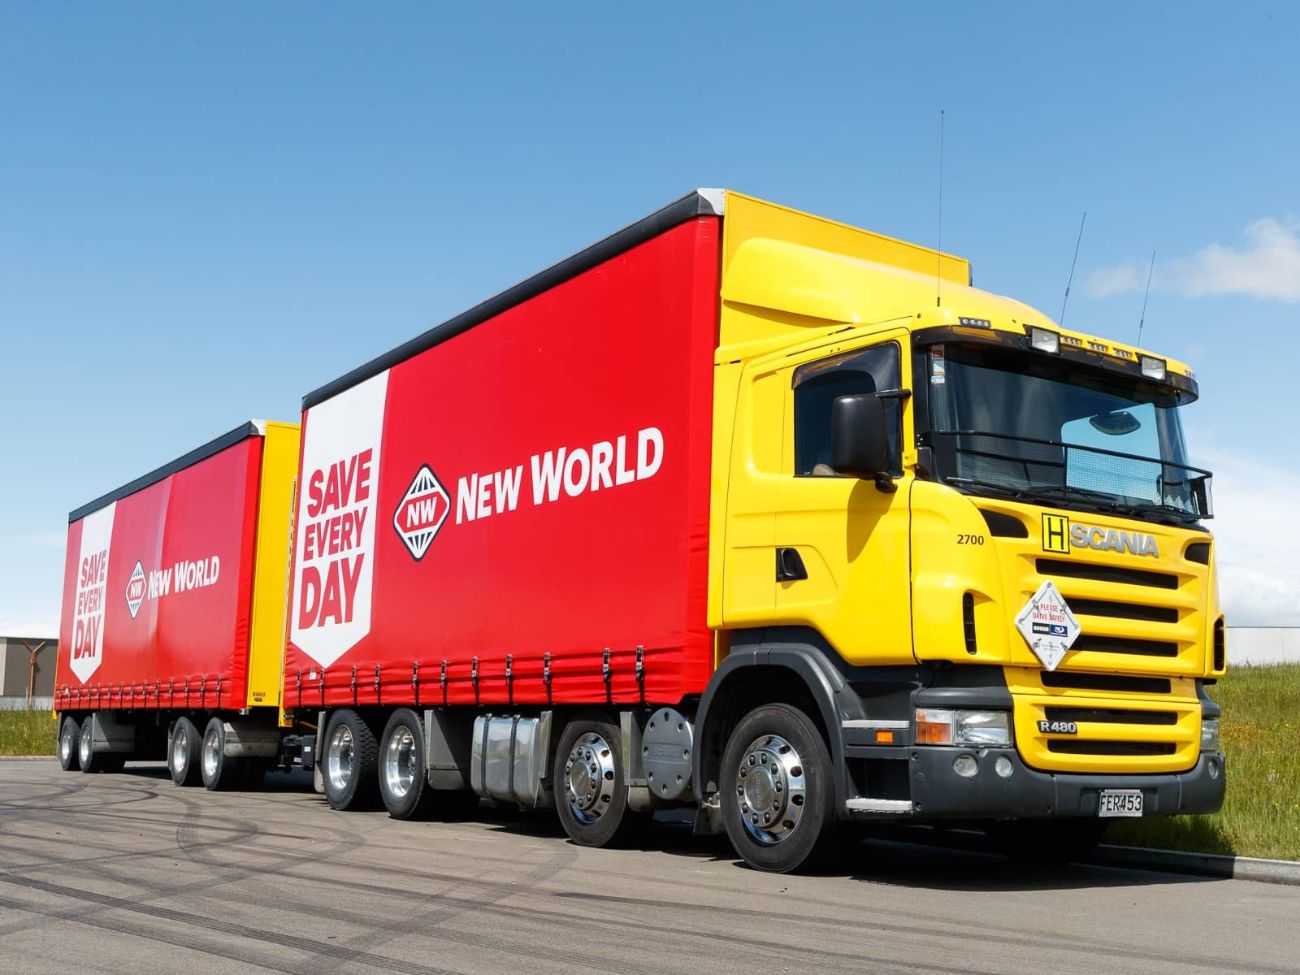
992, 583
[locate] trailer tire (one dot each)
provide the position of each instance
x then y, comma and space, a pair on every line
775, 788
403, 786
183, 753
69, 733
1046, 842
591, 785
350, 762
219, 771
87, 760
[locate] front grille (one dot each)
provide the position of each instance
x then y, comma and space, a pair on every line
1111, 715
1107, 573
1123, 611
1111, 644
1105, 682
1075, 746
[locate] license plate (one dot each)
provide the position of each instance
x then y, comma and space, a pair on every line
1120, 802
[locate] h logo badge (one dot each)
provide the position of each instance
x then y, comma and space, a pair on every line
1056, 534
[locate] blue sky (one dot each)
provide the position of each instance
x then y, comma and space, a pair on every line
206, 213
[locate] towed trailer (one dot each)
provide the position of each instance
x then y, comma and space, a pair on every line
172, 634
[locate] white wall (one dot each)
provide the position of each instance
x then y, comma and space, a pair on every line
1263, 645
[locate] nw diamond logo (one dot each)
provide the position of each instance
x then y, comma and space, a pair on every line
135, 589
422, 511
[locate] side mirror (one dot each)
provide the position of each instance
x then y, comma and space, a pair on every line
859, 439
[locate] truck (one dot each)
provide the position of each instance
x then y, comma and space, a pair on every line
172, 630
749, 512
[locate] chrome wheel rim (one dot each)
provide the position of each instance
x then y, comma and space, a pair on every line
180, 749
399, 762
211, 755
338, 763
589, 778
84, 743
65, 744
770, 789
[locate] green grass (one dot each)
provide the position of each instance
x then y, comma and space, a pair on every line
27, 733
1261, 814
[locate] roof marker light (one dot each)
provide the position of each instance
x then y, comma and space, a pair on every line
1045, 340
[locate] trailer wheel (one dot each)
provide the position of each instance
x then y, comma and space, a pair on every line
183, 753
590, 785
219, 772
87, 760
351, 760
402, 783
69, 735
1048, 842
776, 791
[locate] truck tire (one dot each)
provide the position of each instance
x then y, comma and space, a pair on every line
775, 788
1046, 842
350, 761
403, 785
219, 772
183, 753
590, 784
69, 733
87, 760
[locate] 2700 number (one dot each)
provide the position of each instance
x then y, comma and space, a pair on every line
970, 539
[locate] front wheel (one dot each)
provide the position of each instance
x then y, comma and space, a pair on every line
69, 733
776, 790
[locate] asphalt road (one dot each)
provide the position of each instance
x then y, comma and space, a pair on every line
127, 873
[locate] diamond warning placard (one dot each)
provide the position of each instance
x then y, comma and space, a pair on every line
1048, 626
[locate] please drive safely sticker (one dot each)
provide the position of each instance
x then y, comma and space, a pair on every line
1048, 626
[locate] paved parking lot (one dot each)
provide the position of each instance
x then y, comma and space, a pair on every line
127, 873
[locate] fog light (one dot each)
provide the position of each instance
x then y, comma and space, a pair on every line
1212, 766
1044, 339
1003, 767
965, 765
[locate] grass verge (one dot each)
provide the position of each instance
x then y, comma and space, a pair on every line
1261, 814
27, 733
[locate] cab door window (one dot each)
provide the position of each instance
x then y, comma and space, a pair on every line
816, 387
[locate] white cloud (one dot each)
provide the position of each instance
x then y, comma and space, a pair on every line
1266, 266
1255, 508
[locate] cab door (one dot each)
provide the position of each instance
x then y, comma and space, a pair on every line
842, 543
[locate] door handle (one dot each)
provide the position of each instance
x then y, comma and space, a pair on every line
789, 565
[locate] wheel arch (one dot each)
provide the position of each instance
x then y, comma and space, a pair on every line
763, 668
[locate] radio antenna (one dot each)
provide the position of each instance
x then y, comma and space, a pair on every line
1078, 240
938, 257
1142, 320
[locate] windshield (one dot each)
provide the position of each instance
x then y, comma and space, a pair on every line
1043, 428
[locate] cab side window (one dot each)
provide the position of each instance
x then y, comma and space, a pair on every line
818, 384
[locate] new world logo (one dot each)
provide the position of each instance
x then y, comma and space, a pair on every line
421, 512
135, 588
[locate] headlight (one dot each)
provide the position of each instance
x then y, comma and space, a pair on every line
1210, 735
978, 729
